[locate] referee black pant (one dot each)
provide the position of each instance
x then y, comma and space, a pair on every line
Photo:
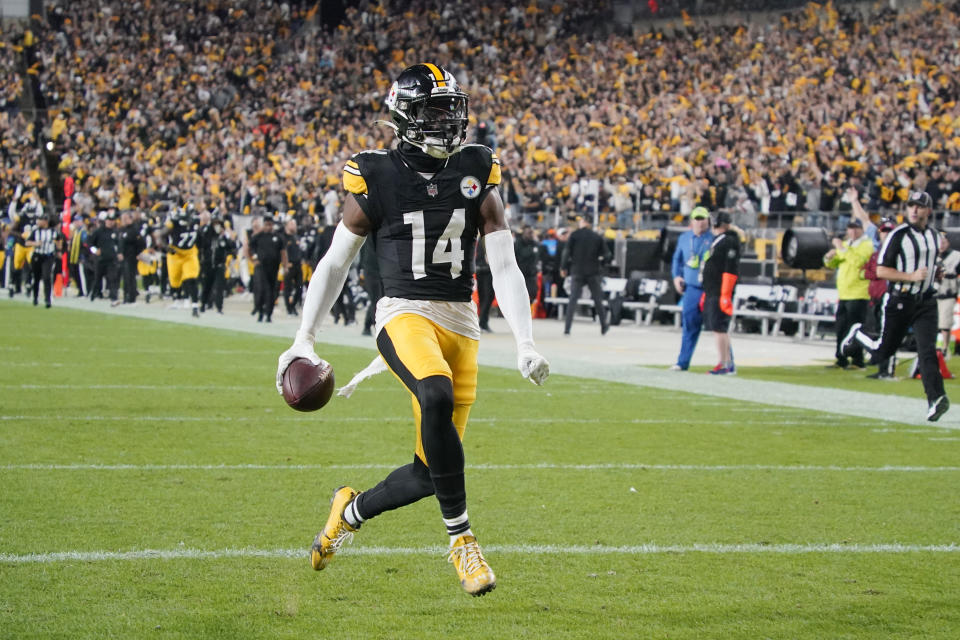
899, 314
43, 267
849, 312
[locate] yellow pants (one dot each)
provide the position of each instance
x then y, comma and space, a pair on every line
182, 265
146, 268
21, 256
419, 348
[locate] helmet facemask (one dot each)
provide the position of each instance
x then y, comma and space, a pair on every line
442, 124
429, 112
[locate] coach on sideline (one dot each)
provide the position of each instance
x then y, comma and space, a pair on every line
693, 247
908, 261
721, 268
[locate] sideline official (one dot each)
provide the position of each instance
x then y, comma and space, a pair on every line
105, 246
268, 252
908, 261
131, 245
47, 242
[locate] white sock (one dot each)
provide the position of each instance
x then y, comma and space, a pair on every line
453, 538
351, 515
459, 526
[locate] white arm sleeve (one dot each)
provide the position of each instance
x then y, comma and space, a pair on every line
327, 281
12, 209
508, 285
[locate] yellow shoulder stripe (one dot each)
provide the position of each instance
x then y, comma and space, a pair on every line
494, 177
352, 178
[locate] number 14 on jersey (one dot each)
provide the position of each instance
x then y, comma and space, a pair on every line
448, 248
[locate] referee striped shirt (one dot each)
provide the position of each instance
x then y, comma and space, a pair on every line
907, 249
47, 239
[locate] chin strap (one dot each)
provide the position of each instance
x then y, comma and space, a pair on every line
433, 151
726, 293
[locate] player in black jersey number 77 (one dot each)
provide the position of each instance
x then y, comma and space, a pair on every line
183, 261
423, 204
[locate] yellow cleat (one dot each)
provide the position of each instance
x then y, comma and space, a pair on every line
476, 576
335, 533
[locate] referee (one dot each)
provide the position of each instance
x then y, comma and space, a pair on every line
47, 242
908, 260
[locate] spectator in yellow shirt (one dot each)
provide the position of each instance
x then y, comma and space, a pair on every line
848, 257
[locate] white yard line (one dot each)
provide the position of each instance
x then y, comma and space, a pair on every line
545, 466
123, 387
522, 549
400, 418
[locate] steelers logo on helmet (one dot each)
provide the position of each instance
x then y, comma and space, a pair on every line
470, 187
429, 110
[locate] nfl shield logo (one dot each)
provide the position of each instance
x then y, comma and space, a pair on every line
432, 190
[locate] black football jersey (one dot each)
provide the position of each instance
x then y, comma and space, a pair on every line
308, 241
424, 230
182, 234
24, 223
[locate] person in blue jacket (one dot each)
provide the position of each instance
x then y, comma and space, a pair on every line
692, 248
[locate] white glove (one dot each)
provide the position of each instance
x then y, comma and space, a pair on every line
300, 349
533, 366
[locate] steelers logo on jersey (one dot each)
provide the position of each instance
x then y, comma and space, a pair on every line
470, 187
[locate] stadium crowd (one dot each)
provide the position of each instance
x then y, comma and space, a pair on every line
253, 107
254, 104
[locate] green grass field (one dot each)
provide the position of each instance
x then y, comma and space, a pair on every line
156, 486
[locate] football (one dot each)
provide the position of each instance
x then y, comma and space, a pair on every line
308, 386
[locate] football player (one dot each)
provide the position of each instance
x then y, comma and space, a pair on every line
223, 248
308, 244
24, 222
148, 261
183, 262
423, 205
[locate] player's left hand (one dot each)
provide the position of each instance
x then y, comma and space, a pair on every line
300, 349
533, 366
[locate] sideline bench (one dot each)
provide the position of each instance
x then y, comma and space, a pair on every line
820, 305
